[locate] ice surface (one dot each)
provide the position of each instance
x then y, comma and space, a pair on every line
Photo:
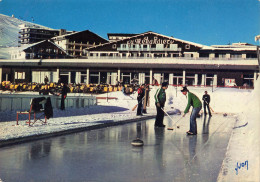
243, 145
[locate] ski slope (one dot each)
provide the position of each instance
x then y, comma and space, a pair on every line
9, 30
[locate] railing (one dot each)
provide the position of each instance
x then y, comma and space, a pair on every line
180, 58
147, 49
79, 44
21, 102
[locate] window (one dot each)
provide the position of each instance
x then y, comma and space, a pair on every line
187, 46
19, 75
204, 55
236, 56
166, 46
188, 55
114, 46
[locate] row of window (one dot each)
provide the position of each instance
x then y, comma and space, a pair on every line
187, 55
146, 46
43, 56
39, 31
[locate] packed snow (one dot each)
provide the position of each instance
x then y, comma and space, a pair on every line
241, 103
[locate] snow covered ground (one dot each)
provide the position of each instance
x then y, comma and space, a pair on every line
9, 30
244, 104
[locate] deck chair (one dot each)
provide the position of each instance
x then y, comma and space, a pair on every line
35, 107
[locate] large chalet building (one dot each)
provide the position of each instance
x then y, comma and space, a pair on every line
40, 50
150, 55
74, 43
141, 57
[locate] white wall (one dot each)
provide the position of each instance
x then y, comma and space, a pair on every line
38, 76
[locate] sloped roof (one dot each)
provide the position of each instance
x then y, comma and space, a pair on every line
26, 46
91, 34
37, 43
150, 32
63, 36
180, 40
122, 34
234, 46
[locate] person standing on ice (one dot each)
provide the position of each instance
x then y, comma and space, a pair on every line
160, 99
146, 98
140, 97
206, 101
64, 92
195, 102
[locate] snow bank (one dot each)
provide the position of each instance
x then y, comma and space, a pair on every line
244, 145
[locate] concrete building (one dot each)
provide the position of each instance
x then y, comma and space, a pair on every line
142, 58
30, 34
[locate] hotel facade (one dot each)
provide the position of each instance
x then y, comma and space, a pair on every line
141, 58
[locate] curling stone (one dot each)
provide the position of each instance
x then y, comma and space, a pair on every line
225, 114
178, 126
137, 142
169, 128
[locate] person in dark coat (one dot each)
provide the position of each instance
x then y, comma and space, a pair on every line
36, 104
48, 110
160, 99
206, 101
46, 80
64, 92
140, 97
146, 98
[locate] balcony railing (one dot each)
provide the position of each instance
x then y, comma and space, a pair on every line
80, 44
147, 49
179, 58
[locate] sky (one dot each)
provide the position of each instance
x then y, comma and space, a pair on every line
208, 22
